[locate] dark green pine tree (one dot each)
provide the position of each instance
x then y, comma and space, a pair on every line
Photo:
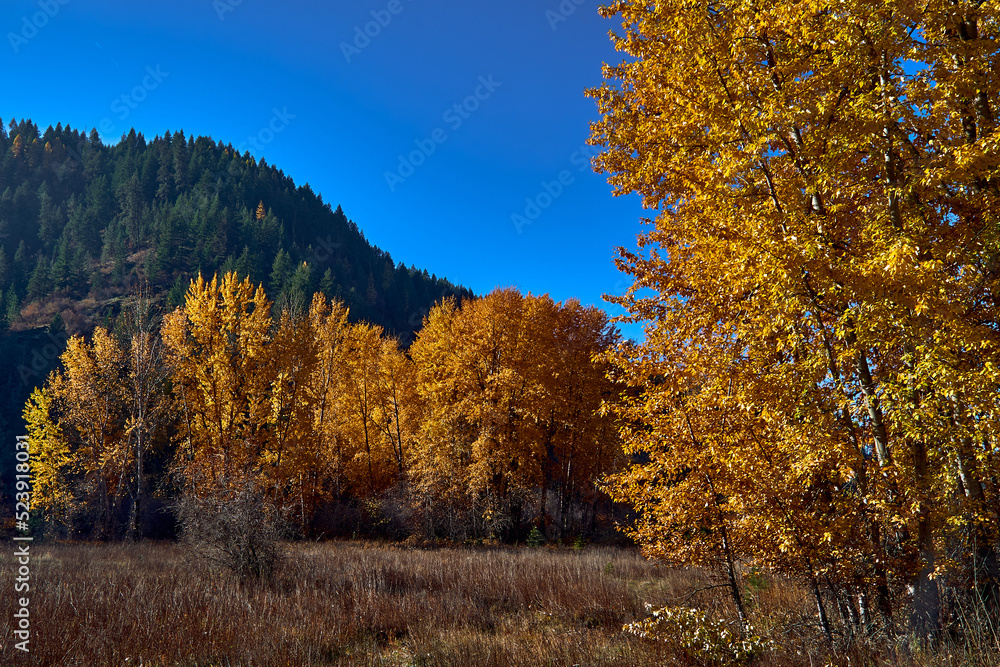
20, 267
181, 160
281, 272
40, 284
98, 282
50, 217
164, 174
59, 272
245, 266
77, 281
130, 207
326, 284
11, 306
300, 288
97, 213
175, 297
4, 268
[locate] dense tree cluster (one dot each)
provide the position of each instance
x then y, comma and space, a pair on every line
82, 223
488, 426
817, 391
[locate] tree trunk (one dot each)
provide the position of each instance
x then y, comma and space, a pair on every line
925, 618
734, 587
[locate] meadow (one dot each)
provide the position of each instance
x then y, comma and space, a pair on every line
364, 603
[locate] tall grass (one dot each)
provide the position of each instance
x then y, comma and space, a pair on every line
370, 604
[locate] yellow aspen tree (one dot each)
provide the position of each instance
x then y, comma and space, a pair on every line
91, 393
398, 406
54, 463
147, 403
216, 349
330, 454
822, 264
360, 402
439, 474
98, 418
494, 351
287, 459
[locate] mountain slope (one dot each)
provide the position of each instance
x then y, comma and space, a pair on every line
81, 222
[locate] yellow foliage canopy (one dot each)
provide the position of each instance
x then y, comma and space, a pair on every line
819, 377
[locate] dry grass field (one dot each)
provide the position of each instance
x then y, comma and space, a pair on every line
348, 603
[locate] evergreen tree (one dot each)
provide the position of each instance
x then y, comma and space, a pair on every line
40, 284
50, 217
281, 271
175, 297
12, 306
326, 284
4, 267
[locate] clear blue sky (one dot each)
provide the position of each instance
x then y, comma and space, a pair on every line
239, 69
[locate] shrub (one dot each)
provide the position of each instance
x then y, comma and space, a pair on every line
705, 641
237, 530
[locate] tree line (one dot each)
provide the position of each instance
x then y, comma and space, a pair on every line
488, 424
83, 220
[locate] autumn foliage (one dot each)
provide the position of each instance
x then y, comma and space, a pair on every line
510, 396
817, 391
490, 419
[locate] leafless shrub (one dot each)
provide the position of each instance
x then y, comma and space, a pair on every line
237, 529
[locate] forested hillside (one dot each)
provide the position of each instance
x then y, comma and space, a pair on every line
81, 220
82, 223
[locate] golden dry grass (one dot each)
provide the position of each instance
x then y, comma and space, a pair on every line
371, 604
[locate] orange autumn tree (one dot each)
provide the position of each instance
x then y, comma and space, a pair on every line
361, 405
330, 454
287, 460
817, 388
509, 395
400, 408
581, 444
305, 409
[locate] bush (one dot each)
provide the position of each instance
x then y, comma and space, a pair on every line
236, 529
703, 640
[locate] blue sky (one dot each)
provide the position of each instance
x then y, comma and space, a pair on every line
432, 124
